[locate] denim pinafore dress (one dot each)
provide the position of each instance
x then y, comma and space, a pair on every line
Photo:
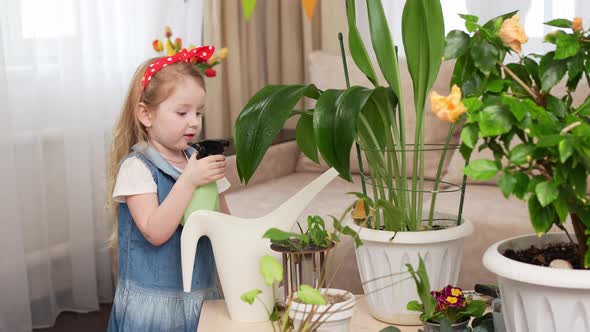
149, 295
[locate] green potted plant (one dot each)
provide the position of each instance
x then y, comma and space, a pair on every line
305, 254
540, 144
448, 309
373, 120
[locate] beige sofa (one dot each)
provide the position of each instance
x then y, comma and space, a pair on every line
285, 170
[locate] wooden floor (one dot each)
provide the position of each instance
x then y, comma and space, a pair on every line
72, 322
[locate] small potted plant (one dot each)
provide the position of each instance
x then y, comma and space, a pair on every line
447, 309
539, 141
308, 309
305, 254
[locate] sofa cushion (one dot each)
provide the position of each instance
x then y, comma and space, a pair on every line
326, 72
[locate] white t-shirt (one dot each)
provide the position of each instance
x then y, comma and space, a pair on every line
135, 178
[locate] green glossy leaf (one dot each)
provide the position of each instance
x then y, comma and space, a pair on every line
556, 106
383, 45
456, 44
310, 295
532, 68
470, 135
275, 234
271, 270
521, 187
566, 148
507, 183
551, 71
357, 47
494, 120
393, 216
521, 153
546, 192
577, 179
516, 107
250, 296
541, 217
261, 120
485, 56
561, 207
566, 46
422, 282
306, 138
496, 85
414, 306
559, 23
424, 42
334, 124
481, 169
475, 308
470, 22
575, 65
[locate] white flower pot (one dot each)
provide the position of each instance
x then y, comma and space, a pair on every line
537, 298
336, 319
382, 266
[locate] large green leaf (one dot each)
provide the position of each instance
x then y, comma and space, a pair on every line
310, 295
485, 55
424, 42
546, 192
520, 154
560, 23
481, 169
305, 137
541, 217
271, 270
261, 120
455, 44
250, 296
357, 47
334, 123
494, 120
383, 45
566, 46
551, 71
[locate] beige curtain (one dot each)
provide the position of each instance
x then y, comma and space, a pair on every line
270, 48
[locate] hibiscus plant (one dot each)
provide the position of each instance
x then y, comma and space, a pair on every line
540, 141
372, 119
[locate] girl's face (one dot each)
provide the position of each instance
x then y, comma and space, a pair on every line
178, 119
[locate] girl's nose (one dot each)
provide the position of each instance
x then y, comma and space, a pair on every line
195, 120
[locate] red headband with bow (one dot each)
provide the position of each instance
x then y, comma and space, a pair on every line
199, 54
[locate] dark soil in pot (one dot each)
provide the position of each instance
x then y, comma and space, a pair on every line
544, 256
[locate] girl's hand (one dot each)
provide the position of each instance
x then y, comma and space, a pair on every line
199, 172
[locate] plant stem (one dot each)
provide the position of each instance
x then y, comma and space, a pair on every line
530, 91
579, 228
438, 173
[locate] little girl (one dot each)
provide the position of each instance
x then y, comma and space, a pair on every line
153, 173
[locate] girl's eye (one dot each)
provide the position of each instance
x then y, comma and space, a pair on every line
181, 113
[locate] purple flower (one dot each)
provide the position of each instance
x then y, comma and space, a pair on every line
449, 296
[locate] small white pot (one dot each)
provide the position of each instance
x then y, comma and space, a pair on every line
538, 298
335, 319
382, 266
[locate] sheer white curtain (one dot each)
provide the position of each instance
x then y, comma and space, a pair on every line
64, 70
532, 13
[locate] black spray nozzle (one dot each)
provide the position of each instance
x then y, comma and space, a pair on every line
210, 147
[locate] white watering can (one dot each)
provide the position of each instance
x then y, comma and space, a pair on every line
238, 246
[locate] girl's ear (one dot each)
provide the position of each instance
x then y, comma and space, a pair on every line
144, 115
